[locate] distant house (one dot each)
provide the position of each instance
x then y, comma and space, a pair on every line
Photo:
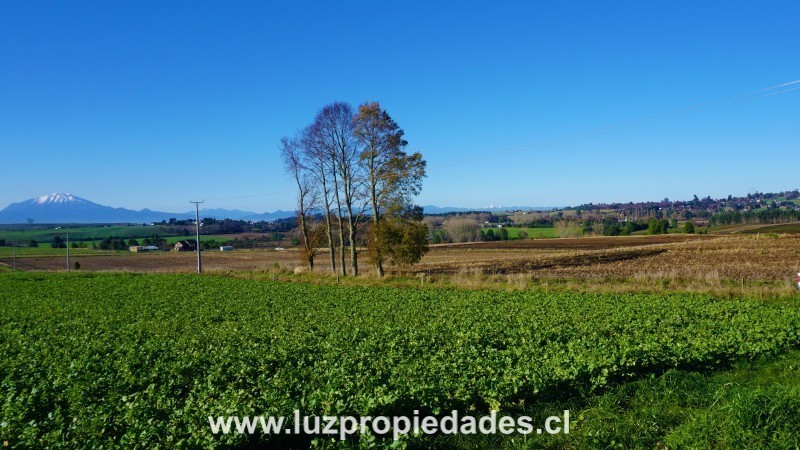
226, 248
185, 246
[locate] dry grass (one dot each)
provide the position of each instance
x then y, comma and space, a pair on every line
761, 266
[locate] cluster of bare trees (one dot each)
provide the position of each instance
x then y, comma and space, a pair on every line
463, 229
351, 168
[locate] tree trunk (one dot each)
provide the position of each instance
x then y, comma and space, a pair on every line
328, 229
330, 239
376, 233
341, 231
351, 221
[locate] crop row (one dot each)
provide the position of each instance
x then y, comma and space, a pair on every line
143, 360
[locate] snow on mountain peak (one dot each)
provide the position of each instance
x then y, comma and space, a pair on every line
56, 197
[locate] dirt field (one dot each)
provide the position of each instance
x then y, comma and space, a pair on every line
731, 257
163, 261
725, 257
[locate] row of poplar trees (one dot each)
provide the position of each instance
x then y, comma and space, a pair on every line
355, 178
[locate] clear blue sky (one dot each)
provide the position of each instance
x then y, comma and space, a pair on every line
152, 104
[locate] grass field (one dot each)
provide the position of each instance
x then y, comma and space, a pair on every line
143, 360
792, 228
755, 265
203, 238
81, 233
533, 233
47, 251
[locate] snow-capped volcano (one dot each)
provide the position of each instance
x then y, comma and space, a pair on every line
57, 197
67, 208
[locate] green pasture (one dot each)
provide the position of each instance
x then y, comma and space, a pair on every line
782, 228
141, 361
533, 233
81, 233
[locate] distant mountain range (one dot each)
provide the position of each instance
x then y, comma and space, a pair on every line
68, 208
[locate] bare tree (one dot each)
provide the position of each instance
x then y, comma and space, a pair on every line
349, 164
392, 177
462, 229
337, 128
319, 165
307, 195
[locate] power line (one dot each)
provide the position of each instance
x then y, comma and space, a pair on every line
647, 120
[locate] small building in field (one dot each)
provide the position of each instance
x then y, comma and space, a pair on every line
226, 248
185, 246
143, 248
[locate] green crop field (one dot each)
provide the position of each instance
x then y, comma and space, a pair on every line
533, 233
46, 250
792, 228
203, 238
143, 360
80, 233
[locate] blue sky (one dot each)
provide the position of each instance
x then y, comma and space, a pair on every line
152, 104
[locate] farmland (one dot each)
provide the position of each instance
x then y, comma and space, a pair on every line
757, 264
82, 233
533, 233
612, 328
142, 360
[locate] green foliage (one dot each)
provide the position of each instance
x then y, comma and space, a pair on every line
688, 227
657, 226
113, 243
753, 404
58, 242
143, 360
531, 233
759, 216
400, 241
522, 234
611, 227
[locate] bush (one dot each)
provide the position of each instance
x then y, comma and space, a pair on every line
58, 242
657, 226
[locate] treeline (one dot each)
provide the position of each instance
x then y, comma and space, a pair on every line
613, 227
757, 217
701, 206
352, 166
227, 226
244, 242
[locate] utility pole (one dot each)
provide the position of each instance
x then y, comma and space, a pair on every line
197, 223
14, 246
67, 252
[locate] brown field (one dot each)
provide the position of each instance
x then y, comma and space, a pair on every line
168, 262
732, 257
710, 262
